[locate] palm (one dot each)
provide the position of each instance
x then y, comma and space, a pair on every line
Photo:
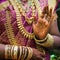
42, 26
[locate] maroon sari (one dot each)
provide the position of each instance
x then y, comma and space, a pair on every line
21, 39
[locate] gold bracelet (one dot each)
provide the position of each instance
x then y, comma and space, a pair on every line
15, 52
48, 43
12, 52
30, 53
41, 41
7, 52
25, 52
6, 49
20, 54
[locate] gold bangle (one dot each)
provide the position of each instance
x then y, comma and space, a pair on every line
12, 51
41, 41
20, 54
15, 52
48, 43
25, 52
7, 52
30, 53
6, 49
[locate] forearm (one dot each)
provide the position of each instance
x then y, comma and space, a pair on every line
56, 43
50, 41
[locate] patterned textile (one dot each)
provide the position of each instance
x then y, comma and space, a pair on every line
21, 39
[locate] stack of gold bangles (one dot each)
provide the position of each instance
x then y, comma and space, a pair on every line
18, 52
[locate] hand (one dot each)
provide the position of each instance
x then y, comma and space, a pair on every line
37, 55
41, 27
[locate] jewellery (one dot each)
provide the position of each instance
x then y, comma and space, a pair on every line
48, 43
22, 12
41, 41
20, 54
23, 52
38, 7
9, 29
27, 8
7, 52
15, 52
30, 53
26, 52
20, 25
12, 52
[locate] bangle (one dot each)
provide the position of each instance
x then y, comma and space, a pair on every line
6, 49
30, 53
22, 57
41, 41
7, 52
48, 43
15, 52
12, 51
25, 52
20, 54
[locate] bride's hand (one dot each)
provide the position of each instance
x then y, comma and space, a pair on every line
41, 27
37, 55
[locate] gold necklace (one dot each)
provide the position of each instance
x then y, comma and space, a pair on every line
38, 7
22, 12
18, 16
9, 30
20, 25
27, 9
19, 22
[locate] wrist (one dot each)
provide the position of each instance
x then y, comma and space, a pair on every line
41, 40
18, 52
48, 43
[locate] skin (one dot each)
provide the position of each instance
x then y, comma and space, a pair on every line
42, 26
39, 55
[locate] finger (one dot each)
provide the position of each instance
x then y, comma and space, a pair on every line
48, 18
47, 9
50, 13
45, 22
51, 20
43, 12
42, 54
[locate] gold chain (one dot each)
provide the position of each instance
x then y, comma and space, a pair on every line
38, 7
19, 22
19, 10
20, 26
22, 12
18, 16
9, 30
